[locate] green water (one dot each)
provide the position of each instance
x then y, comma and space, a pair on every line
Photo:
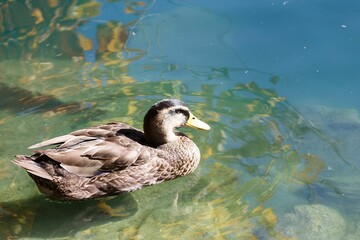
284, 131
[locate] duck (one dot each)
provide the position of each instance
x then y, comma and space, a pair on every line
116, 158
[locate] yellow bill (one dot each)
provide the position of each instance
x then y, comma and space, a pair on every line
196, 123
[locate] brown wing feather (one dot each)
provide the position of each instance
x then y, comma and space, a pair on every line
86, 152
53, 141
32, 167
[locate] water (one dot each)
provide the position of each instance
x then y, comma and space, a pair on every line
276, 80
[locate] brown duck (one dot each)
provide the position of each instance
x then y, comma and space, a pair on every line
116, 158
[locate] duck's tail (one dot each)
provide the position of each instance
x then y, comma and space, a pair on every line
31, 166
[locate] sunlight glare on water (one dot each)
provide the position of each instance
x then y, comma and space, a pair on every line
277, 82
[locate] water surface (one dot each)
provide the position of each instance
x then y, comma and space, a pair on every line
276, 80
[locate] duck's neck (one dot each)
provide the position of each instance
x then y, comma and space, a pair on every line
158, 134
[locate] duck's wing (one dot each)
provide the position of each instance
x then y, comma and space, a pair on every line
89, 151
65, 141
92, 133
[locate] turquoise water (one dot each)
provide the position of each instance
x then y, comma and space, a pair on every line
276, 80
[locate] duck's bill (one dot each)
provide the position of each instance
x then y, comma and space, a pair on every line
196, 123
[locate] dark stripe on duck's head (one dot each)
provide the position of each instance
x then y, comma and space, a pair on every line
167, 103
161, 105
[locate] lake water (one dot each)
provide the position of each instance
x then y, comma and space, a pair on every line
276, 80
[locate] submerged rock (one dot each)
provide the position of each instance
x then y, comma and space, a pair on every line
355, 234
313, 222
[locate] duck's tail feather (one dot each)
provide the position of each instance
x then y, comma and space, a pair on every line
31, 166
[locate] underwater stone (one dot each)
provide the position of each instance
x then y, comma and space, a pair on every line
309, 222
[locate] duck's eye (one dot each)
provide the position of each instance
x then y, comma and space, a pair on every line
183, 112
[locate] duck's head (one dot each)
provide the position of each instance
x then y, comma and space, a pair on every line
164, 117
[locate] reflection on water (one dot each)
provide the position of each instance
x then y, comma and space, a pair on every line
42, 29
30, 101
261, 158
39, 217
38, 29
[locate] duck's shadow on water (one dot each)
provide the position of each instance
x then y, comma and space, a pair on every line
44, 218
